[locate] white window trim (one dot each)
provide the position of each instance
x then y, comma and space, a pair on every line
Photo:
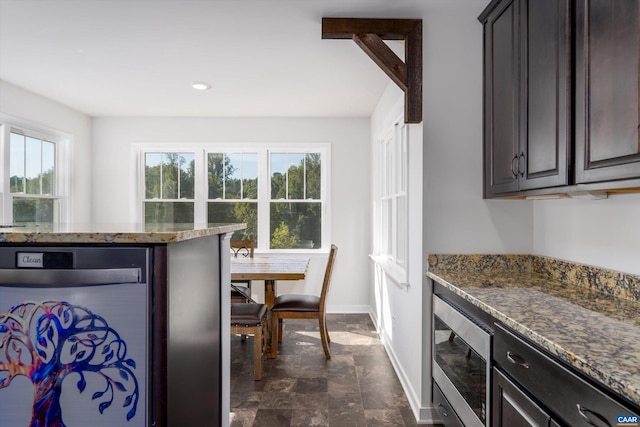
263, 149
63, 162
397, 134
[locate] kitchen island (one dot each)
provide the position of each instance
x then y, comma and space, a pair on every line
141, 319
587, 318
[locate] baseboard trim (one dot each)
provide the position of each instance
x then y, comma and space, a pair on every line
424, 415
348, 309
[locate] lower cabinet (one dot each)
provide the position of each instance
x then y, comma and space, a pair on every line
530, 388
513, 408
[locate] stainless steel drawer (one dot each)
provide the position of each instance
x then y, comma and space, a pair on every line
446, 412
574, 400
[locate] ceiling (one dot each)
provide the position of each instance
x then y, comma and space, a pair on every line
263, 58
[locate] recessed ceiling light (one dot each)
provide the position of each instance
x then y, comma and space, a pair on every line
201, 86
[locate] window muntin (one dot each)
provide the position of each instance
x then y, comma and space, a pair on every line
393, 199
32, 179
233, 184
232, 181
296, 203
169, 188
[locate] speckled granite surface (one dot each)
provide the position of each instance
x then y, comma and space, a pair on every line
113, 233
586, 316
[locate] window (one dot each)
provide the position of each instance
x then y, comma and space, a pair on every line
280, 192
168, 188
391, 202
233, 191
33, 179
296, 202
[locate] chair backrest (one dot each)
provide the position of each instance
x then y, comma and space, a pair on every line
243, 248
327, 276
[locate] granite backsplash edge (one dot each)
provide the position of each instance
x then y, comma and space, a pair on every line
611, 282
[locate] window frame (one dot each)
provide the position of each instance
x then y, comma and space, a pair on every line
391, 239
263, 149
163, 200
62, 179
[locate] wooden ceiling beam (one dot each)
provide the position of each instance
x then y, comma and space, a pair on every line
369, 35
382, 55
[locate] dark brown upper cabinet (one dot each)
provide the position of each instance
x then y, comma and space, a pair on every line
606, 79
527, 93
561, 96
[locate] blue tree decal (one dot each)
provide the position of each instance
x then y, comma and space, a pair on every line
47, 341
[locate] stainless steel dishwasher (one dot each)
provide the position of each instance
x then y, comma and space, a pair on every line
74, 336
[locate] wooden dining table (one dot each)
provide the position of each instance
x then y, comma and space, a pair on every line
269, 269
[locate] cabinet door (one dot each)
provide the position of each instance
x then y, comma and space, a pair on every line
607, 102
501, 100
545, 125
512, 408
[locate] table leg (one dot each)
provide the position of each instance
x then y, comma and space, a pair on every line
269, 293
269, 300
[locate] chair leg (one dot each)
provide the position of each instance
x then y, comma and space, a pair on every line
324, 335
257, 353
274, 336
279, 330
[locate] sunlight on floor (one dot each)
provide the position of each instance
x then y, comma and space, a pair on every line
342, 338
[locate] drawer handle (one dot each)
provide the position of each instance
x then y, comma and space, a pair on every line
584, 413
517, 360
515, 164
442, 410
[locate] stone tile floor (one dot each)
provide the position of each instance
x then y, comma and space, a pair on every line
357, 387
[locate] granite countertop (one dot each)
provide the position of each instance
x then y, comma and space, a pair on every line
112, 233
585, 316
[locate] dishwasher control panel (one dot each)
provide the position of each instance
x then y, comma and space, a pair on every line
50, 260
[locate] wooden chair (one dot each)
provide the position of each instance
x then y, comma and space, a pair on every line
242, 249
251, 319
291, 306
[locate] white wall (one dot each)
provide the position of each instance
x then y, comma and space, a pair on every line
455, 217
23, 108
397, 309
114, 179
458, 220
603, 233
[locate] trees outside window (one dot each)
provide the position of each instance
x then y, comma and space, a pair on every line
279, 191
233, 191
32, 179
296, 203
169, 188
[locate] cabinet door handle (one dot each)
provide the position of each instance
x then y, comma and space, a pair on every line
585, 412
514, 167
523, 164
442, 410
517, 360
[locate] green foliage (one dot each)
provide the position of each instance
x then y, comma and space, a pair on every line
173, 178
248, 214
30, 211
40, 184
168, 212
294, 223
308, 169
282, 238
229, 212
302, 219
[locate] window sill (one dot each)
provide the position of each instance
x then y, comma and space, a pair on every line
397, 274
